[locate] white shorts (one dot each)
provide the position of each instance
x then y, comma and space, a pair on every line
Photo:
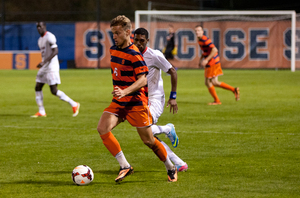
50, 78
156, 107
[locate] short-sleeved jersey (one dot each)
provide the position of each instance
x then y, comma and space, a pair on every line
46, 43
206, 46
132, 37
126, 65
156, 62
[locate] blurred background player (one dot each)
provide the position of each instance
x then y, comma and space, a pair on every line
168, 52
49, 71
210, 60
130, 100
156, 62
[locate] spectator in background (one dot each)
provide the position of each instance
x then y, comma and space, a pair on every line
170, 48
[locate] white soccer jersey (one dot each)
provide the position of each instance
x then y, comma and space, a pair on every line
156, 62
45, 43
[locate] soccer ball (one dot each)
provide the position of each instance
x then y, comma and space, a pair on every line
82, 175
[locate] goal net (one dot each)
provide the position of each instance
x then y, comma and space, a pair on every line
245, 39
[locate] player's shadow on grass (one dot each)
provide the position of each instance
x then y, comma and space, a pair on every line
115, 172
112, 173
41, 182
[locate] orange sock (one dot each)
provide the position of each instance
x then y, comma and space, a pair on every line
111, 143
226, 86
159, 149
213, 93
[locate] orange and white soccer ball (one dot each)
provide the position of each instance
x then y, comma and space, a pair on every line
82, 175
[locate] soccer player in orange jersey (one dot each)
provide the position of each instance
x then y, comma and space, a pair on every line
130, 100
210, 60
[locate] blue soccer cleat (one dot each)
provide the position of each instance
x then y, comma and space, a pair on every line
173, 136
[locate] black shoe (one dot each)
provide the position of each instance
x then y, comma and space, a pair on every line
172, 175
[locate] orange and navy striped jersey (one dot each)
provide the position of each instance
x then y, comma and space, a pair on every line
126, 65
132, 37
206, 46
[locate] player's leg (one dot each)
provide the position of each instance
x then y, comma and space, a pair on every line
160, 151
212, 91
223, 85
167, 129
217, 71
156, 108
179, 163
106, 123
39, 100
61, 95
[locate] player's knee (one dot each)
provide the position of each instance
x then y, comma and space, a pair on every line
148, 143
53, 91
216, 83
101, 130
37, 88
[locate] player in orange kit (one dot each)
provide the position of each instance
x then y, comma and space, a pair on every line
130, 100
210, 60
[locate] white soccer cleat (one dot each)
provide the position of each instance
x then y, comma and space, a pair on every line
76, 109
38, 114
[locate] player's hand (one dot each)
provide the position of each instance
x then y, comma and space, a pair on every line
41, 64
199, 65
204, 62
118, 92
173, 105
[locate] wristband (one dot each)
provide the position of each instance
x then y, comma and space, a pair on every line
173, 95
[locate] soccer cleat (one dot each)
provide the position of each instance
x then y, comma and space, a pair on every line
173, 136
123, 173
76, 109
38, 114
172, 175
182, 168
237, 93
214, 103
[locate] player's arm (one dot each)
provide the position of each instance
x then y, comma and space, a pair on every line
172, 99
213, 51
54, 52
199, 64
141, 82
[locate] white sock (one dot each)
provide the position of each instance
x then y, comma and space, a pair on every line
122, 160
157, 129
173, 157
66, 98
39, 102
169, 165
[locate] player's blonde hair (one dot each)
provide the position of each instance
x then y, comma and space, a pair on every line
122, 21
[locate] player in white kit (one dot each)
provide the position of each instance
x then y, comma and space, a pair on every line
49, 71
156, 61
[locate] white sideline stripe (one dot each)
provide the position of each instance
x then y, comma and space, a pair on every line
216, 132
241, 133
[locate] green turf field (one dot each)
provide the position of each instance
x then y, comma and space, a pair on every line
249, 148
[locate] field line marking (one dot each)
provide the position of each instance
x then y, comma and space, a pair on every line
240, 133
215, 132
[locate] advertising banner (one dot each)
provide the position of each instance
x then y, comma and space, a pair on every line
240, 44
20, 60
